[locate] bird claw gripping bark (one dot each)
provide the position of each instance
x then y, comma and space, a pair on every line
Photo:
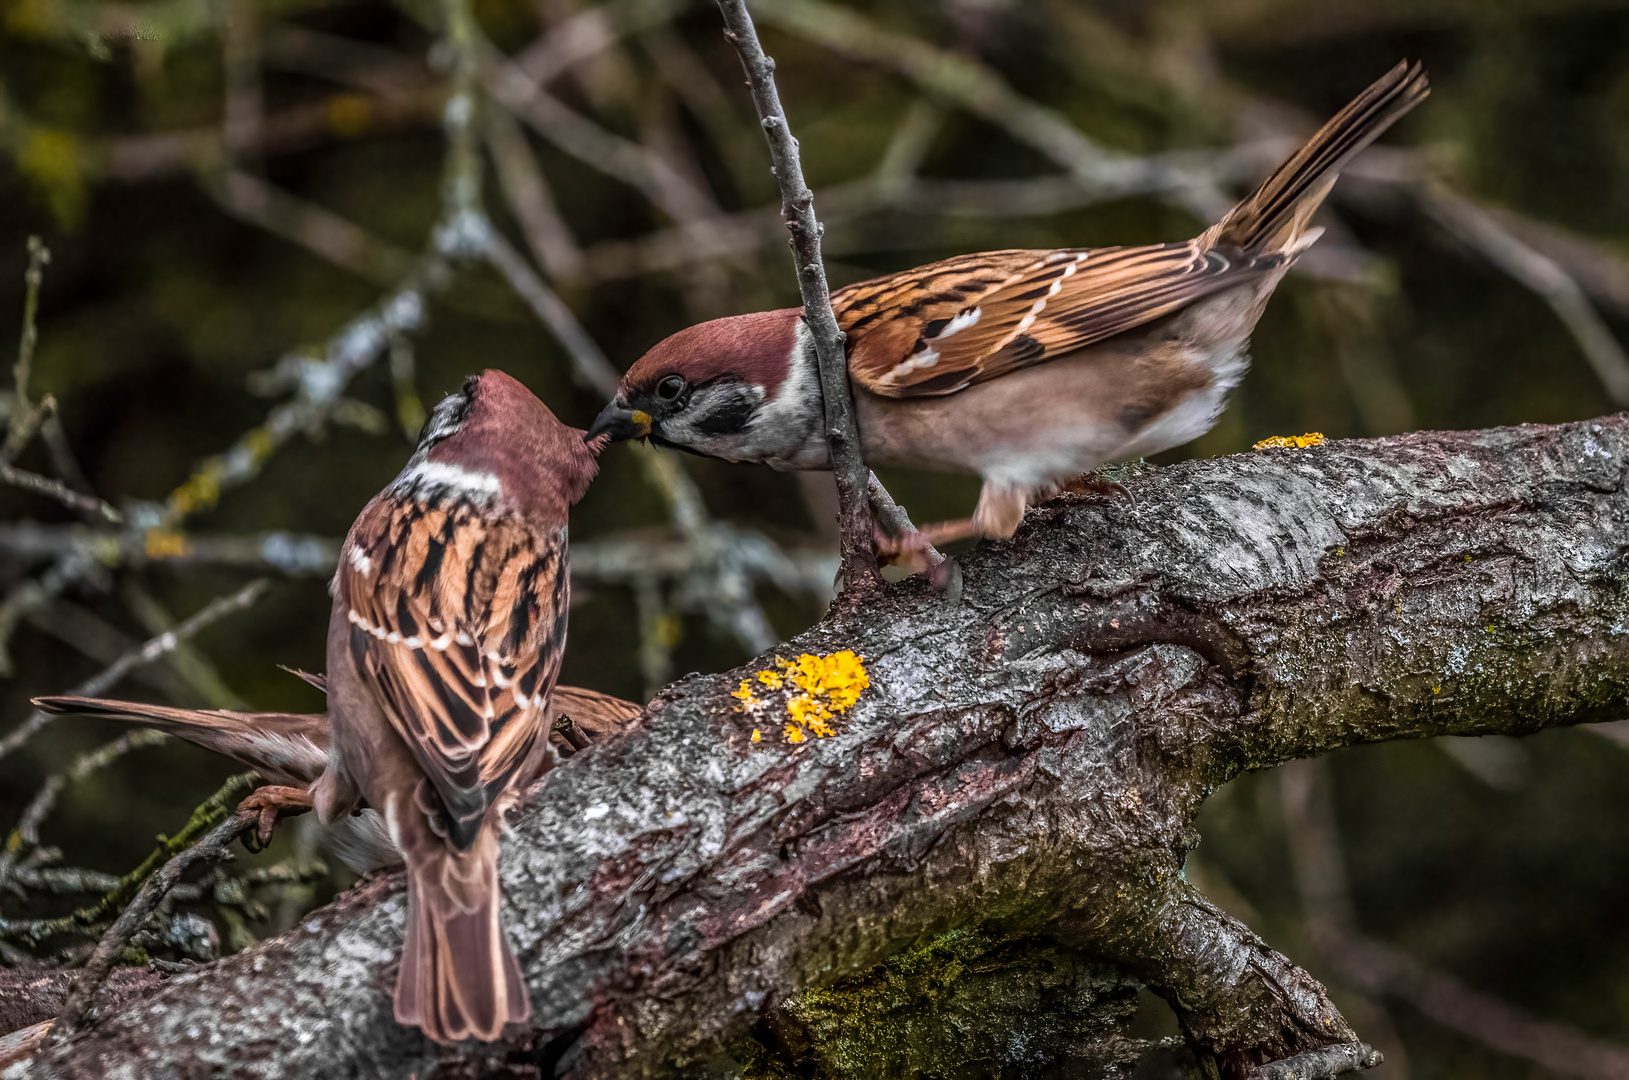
1092, 484
907, 549
267, 804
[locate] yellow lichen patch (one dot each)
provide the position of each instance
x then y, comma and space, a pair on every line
817, 689
165, 544
1291, 442
756, 736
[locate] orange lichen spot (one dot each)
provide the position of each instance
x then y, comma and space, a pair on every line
756, 736
164, 544
1291, 442
349, 115
838, 679
816, 689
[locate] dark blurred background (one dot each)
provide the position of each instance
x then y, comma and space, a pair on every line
223, 187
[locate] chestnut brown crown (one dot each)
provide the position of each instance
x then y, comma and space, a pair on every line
712, 377
496, 427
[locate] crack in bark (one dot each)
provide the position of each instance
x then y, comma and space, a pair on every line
1028, 762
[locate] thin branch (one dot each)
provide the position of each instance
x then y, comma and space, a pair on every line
240, 61
26, 833
88, 505
295, 554
966, 82
90, 919
22, 416
589, 33
1379, 969
891, 517
588, 362
527, 193
32, 594
855, 536
1484, 233
590, 143
323, 232
135, 159
151, 650
194, 668
214, 847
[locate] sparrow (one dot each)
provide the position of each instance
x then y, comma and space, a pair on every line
444, 641
1024, 368
291, 750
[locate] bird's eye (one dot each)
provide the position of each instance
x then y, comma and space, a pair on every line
670, 388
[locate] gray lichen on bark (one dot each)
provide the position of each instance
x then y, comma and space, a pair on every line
1027, 763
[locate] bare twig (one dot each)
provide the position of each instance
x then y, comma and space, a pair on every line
240, 61
89, 920
295, 554
1484, 232
1324, 1064
88, 505
547, 232
1379, 969
194, 668
892, 518
26, 833
582, 138
214, 847
855, 539
30, 595
588, 363
403, 378
249, 198
22, 416
151, 650
137, 159
968, 83
589, 33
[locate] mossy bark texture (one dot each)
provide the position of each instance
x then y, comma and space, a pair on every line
1027, 762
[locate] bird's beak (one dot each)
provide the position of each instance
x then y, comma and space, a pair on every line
619, 422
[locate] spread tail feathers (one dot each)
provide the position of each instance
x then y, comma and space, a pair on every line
1275, 216
458, 978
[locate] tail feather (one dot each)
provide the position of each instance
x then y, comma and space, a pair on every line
285, 748
1273, 217
458, 979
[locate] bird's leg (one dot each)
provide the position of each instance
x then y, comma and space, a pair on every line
269, 802
568, 736
997, 515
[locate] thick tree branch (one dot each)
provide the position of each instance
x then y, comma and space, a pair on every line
1029, 761
855, 533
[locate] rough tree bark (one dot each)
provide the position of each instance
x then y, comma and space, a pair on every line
1026, 762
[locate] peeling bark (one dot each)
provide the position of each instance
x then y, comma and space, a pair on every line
1028, 762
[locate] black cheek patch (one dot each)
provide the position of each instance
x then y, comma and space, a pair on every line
728, 417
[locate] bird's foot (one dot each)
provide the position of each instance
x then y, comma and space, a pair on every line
915, 552
1093, 484
911, 550
568, 736
268, 803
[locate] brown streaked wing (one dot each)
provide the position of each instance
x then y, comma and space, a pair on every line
1057, 302
457, 628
